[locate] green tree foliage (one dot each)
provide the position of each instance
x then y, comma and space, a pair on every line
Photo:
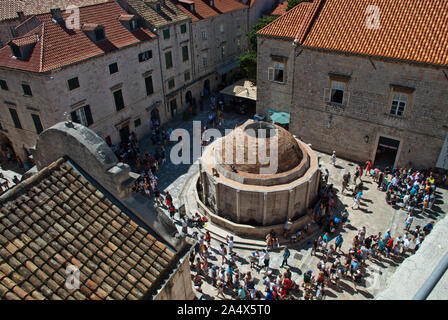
248, 61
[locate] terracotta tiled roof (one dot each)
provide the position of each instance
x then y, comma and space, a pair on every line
58, 218
126, 17
58, 47
279, 10
9, 8
413, 30
295, 23
26, 40
168, 14
228, 5
203, 10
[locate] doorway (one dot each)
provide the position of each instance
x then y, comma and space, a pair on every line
189, 98
173, 106
155, 117
206, 87
124, 134
386, 152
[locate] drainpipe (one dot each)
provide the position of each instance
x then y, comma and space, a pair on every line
161, 71
433, 279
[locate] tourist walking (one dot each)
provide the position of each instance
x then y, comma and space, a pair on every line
286, 254
357, 200
333, 158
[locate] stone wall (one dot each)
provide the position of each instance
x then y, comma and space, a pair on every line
270, 94
261, 205
421, 131
179, 286
52, 97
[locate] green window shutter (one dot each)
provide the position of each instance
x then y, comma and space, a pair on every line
166, 34
15, 118
168, 60
149, 86
185, 53
37, 123
88, 114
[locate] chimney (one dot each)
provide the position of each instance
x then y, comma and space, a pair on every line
21, 16
56, 15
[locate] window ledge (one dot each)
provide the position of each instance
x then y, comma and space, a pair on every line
394, 116
336, 104
278, 82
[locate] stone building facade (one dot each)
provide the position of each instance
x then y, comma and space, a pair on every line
219, 36
14, 12
386, 106
87, 87
173, 28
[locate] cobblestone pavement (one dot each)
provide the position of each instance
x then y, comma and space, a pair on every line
374, 213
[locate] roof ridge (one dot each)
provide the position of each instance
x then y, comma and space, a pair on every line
41, 60
311, 18
28, 183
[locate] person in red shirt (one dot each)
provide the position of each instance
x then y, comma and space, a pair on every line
368, 167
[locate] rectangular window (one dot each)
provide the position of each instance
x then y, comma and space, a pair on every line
149, 86
277, 73
26, 90
171, 84
145, 56
221, 28
204, 61
168, 60
15, 118
37, 123
204, 35
3, 85
337, 92
118, 98
99, 34
113, 68
83, 116
399, 102
187, 76
133, 25
223, 48
16, 51
137, 123
183, 28
73, 83
238, 24
166, 34
184, 53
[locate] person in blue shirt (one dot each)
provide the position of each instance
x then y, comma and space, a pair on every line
286, 255
339, 241
269, 295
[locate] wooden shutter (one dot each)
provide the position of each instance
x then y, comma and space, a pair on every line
327, 94
37, 123
74, 116
271, 74
15, 118
149, 86
88, 114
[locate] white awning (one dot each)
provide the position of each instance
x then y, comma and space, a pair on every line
241, 89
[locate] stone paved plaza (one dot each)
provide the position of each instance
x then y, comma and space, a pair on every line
374, 213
